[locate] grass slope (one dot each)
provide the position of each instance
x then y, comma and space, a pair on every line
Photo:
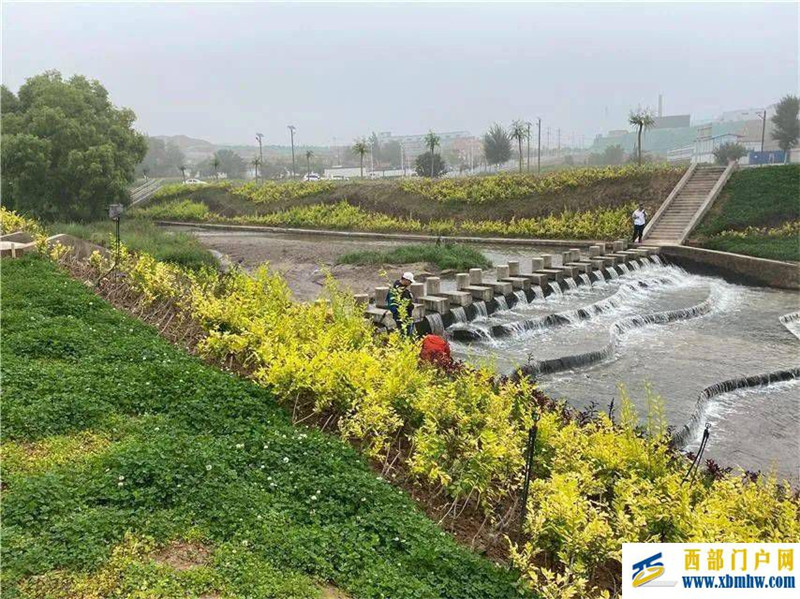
763, 198
755, 197
114, 438
446, 255
143, 236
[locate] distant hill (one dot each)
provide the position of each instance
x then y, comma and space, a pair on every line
195, 150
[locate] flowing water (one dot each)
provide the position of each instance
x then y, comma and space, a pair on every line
678, 332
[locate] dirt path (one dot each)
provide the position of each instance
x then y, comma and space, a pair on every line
304, 262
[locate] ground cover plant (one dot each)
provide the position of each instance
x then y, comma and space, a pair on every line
443, 255
757, 214
131, 469
601, 223
143, 235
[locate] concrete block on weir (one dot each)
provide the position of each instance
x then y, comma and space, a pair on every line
594, 250
540, 278
555, 274
581, 266
501, 287
475, 276
440, 305
480, 292
458, 298
618, 245
362, 299
575, 254
417, 290
418, 312
610, 260
513, 268
434, 284
547, 260
602, 247
569, 271
566, 257
462, 281
381, 294
502, 272
518, 282
536, 264
598, 263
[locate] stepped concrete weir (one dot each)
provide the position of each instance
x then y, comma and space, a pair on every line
475, 297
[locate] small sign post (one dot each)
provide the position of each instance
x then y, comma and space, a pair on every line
115, 214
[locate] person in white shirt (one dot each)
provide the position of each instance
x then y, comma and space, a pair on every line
639, 220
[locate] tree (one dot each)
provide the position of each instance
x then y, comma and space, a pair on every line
726, 152
641, 119
496, 145
215, 162
360, 148
519, 131
786, 126
67, 151
182, 169
256, 163
431, 141
161, 159
309, 156
430, 165
231, 163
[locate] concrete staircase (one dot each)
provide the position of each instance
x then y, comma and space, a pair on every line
684, 207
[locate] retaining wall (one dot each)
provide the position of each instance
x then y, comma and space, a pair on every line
735, 268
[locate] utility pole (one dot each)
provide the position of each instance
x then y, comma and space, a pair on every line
763, 127
539, 151
528, 135
547, 149
291, 133
259, 136
558, 152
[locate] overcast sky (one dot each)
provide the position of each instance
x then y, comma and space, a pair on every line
223, 71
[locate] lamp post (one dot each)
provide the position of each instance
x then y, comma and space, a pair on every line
259, 136
291, 133
763, 127
539, 150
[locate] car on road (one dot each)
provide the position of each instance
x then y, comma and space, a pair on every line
312, 177
194, 182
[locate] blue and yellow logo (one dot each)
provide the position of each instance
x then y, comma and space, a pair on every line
648, 569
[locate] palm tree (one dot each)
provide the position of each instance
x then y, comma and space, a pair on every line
643, 120
309, 156
360, 148
256, 163
432, 140
215, 163
182, 169
519, 131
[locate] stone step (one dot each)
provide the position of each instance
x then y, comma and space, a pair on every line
480, 292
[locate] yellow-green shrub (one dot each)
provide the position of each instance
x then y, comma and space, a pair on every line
512, 186
11, 222
275, 191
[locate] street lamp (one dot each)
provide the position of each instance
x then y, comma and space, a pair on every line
291, 133
259, 136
